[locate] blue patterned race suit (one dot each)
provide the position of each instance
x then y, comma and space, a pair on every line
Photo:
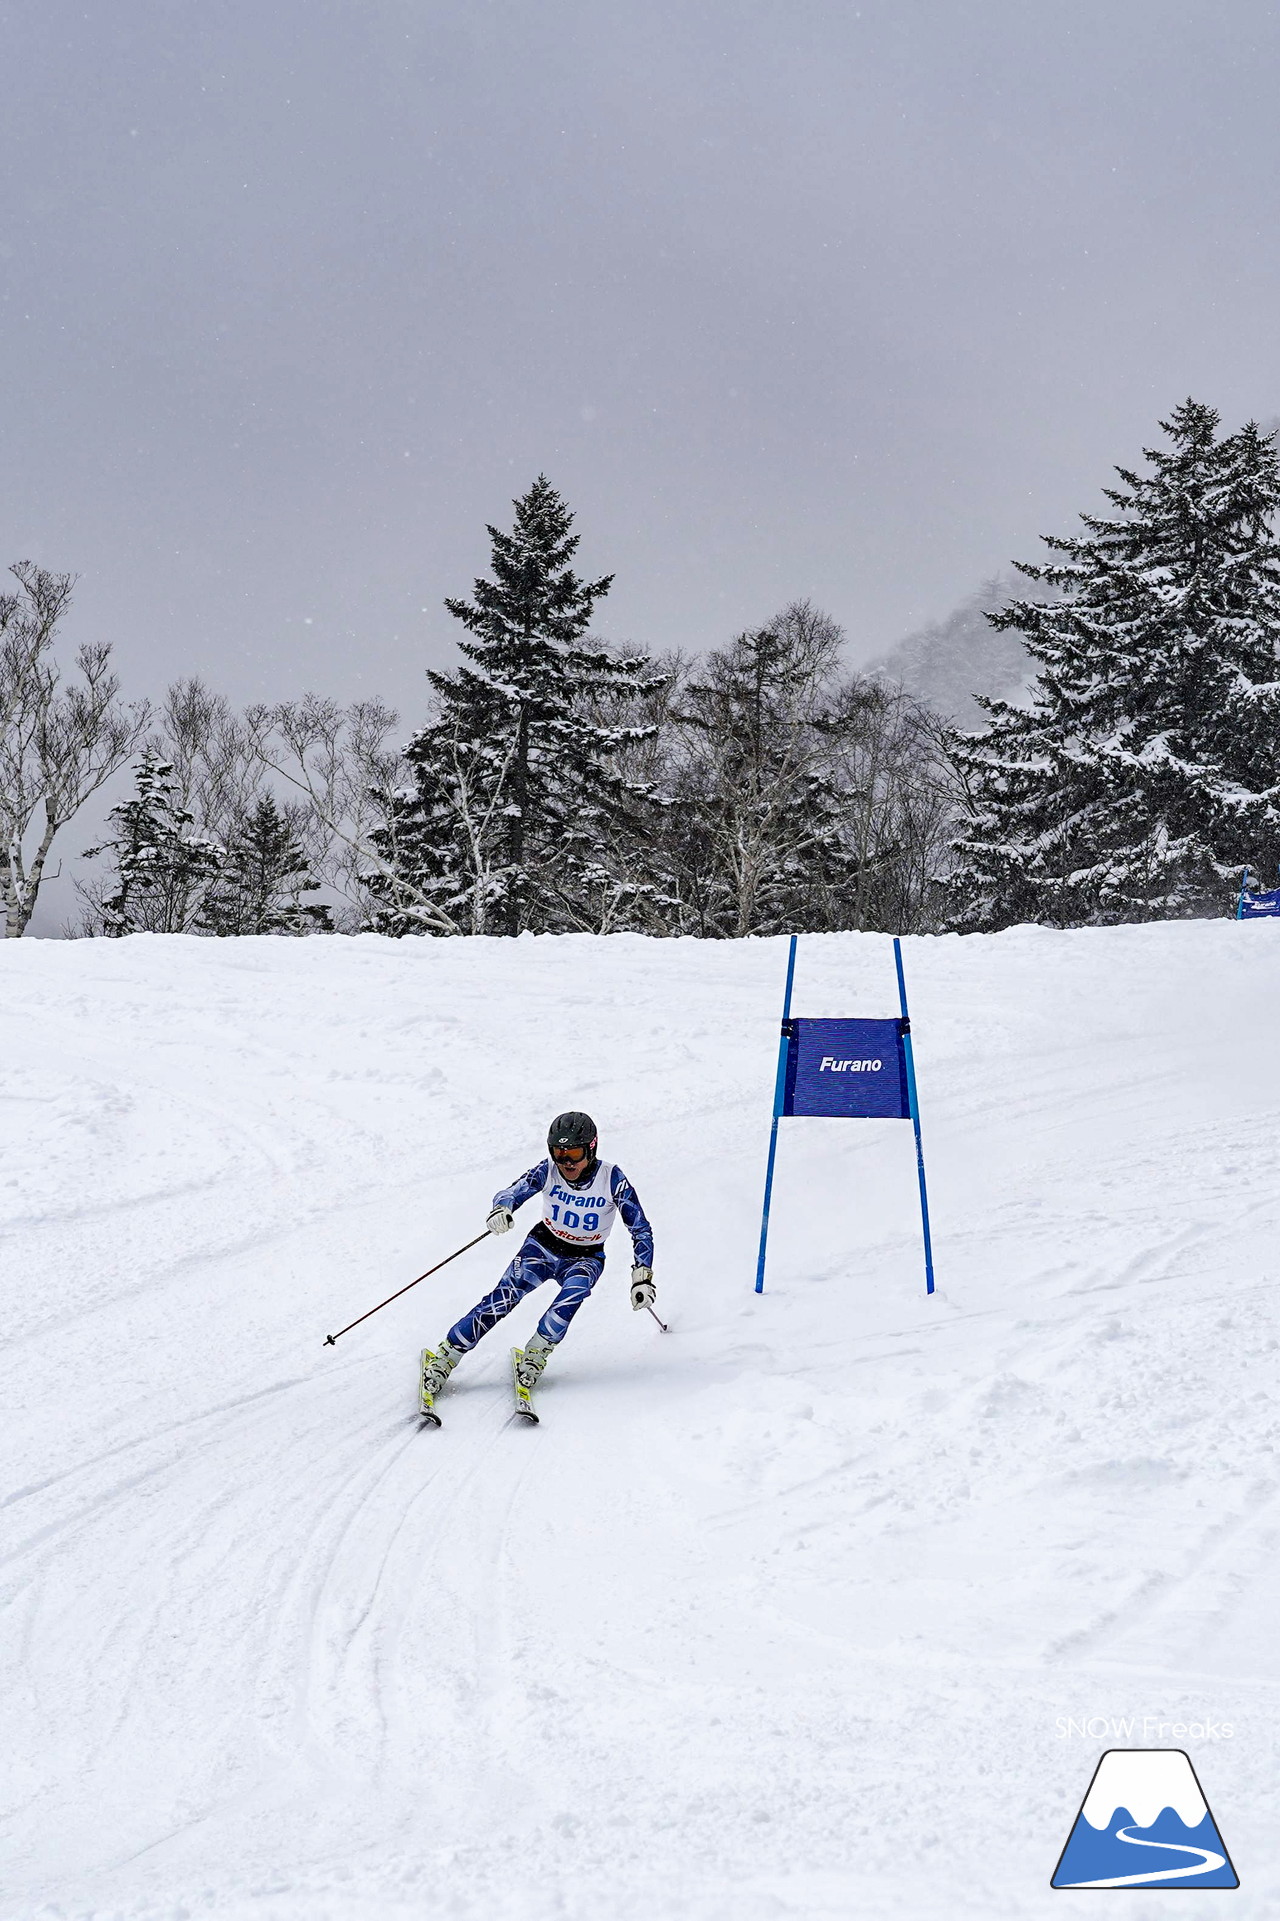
574, 1270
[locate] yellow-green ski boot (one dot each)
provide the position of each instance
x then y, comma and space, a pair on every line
527, 1364
435, 1370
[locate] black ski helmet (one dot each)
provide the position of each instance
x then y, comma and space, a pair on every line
572, 1130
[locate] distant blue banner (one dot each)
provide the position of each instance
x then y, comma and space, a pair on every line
1260, 906
847, 1069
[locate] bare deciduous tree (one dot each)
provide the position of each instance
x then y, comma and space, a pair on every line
217, 773
888, 755
339, 759
788, 794
752, 716
59, 740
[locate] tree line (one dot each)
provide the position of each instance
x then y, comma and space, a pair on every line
558, 784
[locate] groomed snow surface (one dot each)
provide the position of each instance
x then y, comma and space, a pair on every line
781, 1614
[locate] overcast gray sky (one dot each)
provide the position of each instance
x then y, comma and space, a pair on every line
788, 297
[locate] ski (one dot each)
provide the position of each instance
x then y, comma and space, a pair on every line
524, 1398
427, 1401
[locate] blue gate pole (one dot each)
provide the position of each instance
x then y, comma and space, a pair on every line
1240, 903
914, 1105
779, 1095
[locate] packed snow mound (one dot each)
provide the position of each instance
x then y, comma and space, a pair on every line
808, 1608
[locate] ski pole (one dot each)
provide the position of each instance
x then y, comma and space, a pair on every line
661, 1324
329, 1339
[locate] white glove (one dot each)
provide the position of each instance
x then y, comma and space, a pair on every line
643, 1291
500, 1221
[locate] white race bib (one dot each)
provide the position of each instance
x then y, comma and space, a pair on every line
582, 1215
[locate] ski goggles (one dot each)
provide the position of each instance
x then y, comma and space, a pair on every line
571, 1154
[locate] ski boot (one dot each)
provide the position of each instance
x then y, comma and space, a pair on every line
436, 1369
532, 1361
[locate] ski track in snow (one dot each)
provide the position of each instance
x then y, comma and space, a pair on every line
773, 1616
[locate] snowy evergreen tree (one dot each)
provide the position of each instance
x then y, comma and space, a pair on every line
510, 821
1145, 771
163, 871
264, 874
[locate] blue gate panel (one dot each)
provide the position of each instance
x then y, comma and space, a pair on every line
1260, 906
847, 1069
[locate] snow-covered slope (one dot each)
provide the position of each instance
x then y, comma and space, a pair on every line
786, 1613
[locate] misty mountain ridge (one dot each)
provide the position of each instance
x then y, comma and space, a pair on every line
948, 661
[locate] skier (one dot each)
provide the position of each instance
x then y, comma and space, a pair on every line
581, 1194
